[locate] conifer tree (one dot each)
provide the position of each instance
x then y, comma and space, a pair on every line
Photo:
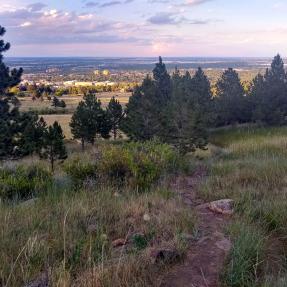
230, 100
9, 106
271, 95
90, 120
146, 110
188, 112
53, 145
142, 118
32, 139
115, 114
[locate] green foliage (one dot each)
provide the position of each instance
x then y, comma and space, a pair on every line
269, 92
231, 104
245, 255
175, 110
188, 112
138, 164
90, 120
23, 182
80, 169
53, 144
115, 114
58, 103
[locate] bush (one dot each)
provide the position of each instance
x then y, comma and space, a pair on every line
138, 164
23, 182
80, 169
115, 163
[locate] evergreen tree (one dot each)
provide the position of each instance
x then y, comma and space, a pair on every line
146, 110
142, 118
53, 145
271, 94
90, 120
188, 112
32, 139
9, 106
115, 114
231, 103
58, 103
162, 82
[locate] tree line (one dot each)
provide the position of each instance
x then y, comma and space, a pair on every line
178, 109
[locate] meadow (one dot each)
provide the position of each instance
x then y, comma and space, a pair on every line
249, 165
96, 220
72, 101
63, 115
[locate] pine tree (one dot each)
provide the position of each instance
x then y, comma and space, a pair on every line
53, 145
90, 120
188, 111
115, 114
162, 82
9, 106
32, 139
146, 110
271, 95
142, 118
231, 103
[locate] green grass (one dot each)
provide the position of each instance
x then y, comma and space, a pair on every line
250, 166
68, 229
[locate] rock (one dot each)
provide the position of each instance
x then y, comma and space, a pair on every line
146, 217
223, 206
166, 256
119, 242
41, 281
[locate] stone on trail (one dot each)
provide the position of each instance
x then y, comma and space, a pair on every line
223, 206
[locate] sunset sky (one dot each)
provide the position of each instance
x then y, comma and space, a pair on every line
145, 27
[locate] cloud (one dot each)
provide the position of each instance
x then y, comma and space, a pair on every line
38, 6
35, 25
195, 2
92, 4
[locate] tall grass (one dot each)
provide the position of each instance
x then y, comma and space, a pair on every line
69, 229
251, 170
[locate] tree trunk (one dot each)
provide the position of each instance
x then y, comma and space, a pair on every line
52, 164
83, 144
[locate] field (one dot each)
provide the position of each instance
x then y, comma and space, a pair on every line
71, 101
64, 121
63, 116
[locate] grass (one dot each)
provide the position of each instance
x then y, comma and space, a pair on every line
249, 165
68, 232
71, 101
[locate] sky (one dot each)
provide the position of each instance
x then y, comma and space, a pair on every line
134, 28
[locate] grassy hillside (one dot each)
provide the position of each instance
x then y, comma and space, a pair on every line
249, 165
69, 227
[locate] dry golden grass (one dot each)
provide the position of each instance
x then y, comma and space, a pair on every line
72, 101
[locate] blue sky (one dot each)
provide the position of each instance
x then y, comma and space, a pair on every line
145, 27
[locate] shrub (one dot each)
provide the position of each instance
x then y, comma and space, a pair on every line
23, 182
115, 163
138, 164
80, 169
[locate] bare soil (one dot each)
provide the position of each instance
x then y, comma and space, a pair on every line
207, 252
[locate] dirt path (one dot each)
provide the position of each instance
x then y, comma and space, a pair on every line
206, 255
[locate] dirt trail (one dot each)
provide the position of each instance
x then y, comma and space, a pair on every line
206, 255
